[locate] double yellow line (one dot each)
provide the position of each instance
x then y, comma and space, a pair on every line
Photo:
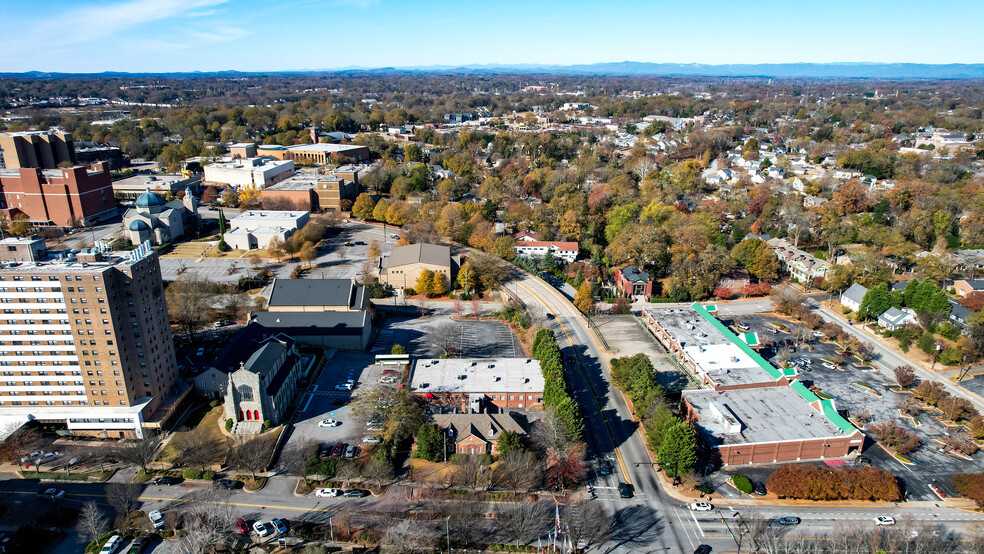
587, 381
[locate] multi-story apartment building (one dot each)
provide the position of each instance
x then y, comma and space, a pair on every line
85, 342
43, 149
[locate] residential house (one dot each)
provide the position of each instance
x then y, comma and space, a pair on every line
810, 201
967, 286
632, 281
803, 267
894, 318
853, 296
527, 236
959, 314
564, 251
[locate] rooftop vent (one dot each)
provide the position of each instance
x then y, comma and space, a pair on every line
462, 377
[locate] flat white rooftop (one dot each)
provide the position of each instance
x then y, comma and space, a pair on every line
520, 375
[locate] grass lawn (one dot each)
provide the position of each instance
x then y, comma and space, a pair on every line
203, 419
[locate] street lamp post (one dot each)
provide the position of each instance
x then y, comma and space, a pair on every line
447, 531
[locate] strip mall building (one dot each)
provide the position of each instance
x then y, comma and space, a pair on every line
750, 411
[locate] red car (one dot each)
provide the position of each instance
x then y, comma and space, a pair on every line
242, 527
337, 450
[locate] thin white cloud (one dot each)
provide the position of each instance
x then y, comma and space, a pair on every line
93, 23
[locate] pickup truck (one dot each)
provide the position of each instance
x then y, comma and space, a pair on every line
156, 519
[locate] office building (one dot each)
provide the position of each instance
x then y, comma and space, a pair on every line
316, 154
256, 228
479, 385
65, 197
37, 149
311, 192
401, 268
260, 172
85, 343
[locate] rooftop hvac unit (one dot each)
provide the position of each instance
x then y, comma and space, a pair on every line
473, 364
497, 379
491, 366
462, 377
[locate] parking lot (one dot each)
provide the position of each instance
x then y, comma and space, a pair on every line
845, 387
479, 339
627, 337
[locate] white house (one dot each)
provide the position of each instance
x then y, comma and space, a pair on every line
894, 318
566, 251
853, 296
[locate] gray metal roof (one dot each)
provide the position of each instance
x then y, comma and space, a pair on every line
313, 292
300, 324
262, 361
435, 254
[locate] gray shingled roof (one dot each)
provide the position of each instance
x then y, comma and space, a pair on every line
635, 275
856, 293
312, 292
300, 324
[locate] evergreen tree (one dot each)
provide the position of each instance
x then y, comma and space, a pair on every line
430, 442
549, 261
677, 449
875, 302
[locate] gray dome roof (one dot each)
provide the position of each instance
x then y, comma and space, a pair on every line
138, 225
148, 199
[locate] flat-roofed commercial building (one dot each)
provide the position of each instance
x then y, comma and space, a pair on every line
58, 197
750, 411
37, 149
85, 342
238, 173
479, 385
256, 228
713, 355
309, 191
130, 188
315, 154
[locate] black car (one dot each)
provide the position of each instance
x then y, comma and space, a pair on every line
339, 402
356, 493
166, 480
624, 490
789, 520
606, 468
863, 461
228, 484
759, 489
140, 544
703, 549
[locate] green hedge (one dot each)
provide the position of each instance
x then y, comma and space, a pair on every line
742, 483
556, 389
192, 473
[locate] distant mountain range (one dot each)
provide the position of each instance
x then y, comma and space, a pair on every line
845, 70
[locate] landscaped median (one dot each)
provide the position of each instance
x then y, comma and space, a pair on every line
94, 476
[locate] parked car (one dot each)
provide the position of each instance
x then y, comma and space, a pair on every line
351, 451
51, 494
885, 520
228, 484
75, 460
760, 489
701, 507
329, 423
346, 386
280, 525
829, 365
356, 493
241, 527
32, 456
166, 480
140, 544
789, 520
703, 549
372, 440
200, 351
339, 402
394, 236
262, 529
156, 519
863, 461
112, 545
47, 457
624, 490
388, 379
337, 450
327, 493
742, 326
374, 424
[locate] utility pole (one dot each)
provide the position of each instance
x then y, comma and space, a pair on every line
447, 531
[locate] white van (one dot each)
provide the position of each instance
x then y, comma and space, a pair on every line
112, 545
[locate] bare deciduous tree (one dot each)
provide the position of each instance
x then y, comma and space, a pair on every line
467, 472
198, 449
123, 497
92, 522
523, 522
586, 523
250, 454
406, 536
139, 452
518, 471
188, 304
447, 337
208, 520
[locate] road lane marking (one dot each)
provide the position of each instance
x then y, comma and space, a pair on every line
601, 411
697, 523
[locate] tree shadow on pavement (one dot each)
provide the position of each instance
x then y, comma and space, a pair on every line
635, 527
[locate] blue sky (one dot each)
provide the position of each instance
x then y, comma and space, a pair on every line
254, 35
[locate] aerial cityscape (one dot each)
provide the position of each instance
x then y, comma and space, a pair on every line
359, 276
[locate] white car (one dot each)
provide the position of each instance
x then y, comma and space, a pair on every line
701, 507
344, 386
261, 528
329, 423
47, 457
156, 519
884, 520
372, 440
328, 493
829, 365
112, 545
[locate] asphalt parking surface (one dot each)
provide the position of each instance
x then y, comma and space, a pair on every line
479, 339
626, 336
929, 465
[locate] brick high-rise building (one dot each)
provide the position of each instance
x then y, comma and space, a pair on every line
42, 149
59, 197
85, 342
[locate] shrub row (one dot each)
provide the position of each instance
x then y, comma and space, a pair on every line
823, 483
556, 389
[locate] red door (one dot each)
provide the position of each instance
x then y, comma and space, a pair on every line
240, 415
256, 414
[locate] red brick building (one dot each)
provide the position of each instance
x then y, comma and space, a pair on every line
476, 386
632, 281
58, 197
